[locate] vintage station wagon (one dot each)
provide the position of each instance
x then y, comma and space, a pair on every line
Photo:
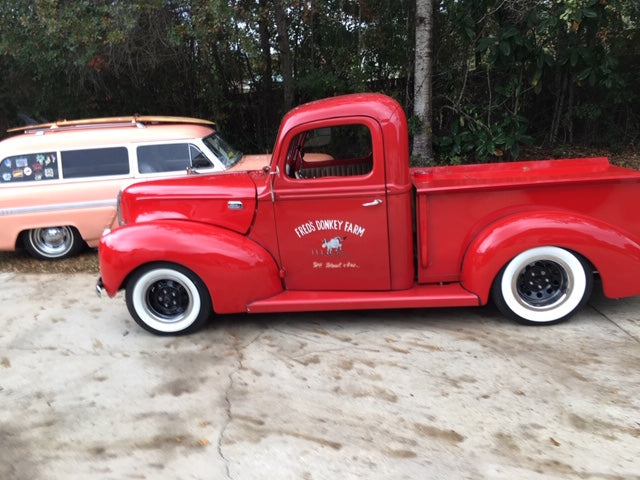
59, 182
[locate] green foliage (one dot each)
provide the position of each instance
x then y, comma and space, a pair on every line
536, 71
507, 72
471, 138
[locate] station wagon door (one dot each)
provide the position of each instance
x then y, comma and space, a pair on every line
330, 207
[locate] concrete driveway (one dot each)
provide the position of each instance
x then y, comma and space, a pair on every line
419, 394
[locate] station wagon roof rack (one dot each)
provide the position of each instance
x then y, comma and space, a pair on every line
134, 120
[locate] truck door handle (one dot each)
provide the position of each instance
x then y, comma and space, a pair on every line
377, 201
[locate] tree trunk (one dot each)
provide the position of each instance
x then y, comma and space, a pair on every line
422, 94
561, 91
286, 65
265, 47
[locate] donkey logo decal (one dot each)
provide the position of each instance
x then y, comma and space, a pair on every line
334, 245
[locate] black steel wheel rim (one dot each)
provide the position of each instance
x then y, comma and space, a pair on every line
168, 299
542, 283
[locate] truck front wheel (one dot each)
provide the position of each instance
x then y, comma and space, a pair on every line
543, 286
168, 299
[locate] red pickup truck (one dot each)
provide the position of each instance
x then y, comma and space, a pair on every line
336, 219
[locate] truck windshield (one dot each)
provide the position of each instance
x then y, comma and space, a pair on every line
228, 155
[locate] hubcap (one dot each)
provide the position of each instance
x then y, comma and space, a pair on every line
51, 241
542, 283
53, 237
168, 300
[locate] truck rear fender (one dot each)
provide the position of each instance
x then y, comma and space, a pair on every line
235, 269
611, 251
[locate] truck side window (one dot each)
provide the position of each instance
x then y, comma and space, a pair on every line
340, 151
95, 162
30, 167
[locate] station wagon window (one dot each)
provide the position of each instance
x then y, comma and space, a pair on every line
340, 151
170, 158
227, 154
95, 162
29, 168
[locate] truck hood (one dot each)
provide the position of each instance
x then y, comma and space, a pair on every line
227, 200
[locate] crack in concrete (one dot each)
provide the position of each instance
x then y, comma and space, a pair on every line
225, 425
227, 398
616, 324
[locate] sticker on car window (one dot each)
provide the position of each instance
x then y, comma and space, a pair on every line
29, 167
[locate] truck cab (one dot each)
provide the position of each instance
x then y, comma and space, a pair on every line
337, 196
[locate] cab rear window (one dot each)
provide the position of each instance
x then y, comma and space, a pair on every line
95, 162
29, 168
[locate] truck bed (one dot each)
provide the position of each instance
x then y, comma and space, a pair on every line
453, 204
514, 174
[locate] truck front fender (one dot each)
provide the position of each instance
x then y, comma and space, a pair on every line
235, 269
612, 252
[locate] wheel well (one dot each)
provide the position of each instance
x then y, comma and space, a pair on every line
33, 245
20, 240
491, 271
503, 240
25, 231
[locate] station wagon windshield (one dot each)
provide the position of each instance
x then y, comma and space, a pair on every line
228, 155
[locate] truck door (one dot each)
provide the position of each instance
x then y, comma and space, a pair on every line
330, 207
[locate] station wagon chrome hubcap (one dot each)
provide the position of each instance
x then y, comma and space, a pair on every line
51, 240
53, 236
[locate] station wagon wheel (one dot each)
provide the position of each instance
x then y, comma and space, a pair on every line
542, 286
52, 243
166, 299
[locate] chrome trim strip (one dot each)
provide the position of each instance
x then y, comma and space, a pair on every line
57, 207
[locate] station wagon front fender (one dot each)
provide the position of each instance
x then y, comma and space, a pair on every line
612, 252
235, 269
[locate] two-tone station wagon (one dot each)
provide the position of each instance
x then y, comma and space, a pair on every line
59, 181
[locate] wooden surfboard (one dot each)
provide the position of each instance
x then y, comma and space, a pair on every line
135, 119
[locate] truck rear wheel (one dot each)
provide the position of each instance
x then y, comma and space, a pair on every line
543, 286
167, 299
52, 243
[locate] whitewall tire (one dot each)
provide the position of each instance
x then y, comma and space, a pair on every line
543, 286
168, 299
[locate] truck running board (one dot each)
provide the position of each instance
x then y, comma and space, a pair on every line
420, 296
